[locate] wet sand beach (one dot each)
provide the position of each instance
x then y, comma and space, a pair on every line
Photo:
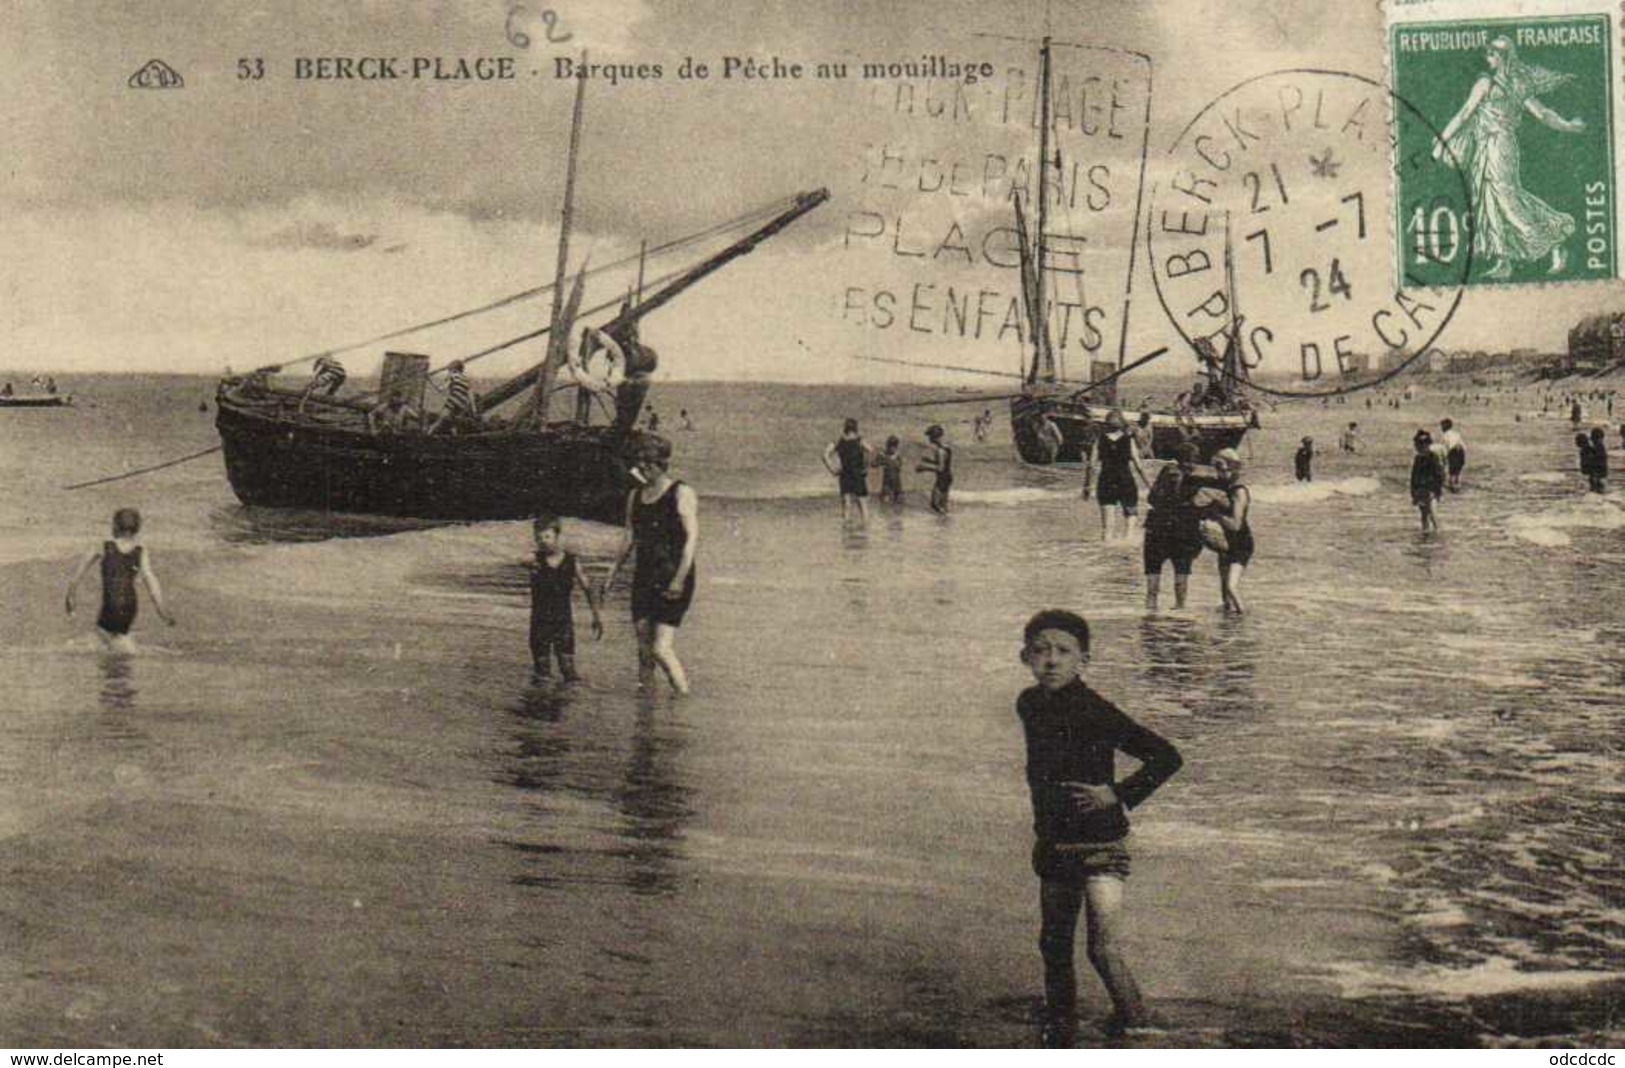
326, 809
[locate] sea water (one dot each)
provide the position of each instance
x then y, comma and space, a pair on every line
327, 808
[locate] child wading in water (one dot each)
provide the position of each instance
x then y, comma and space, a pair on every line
940, 462
1593, 459
554, 576
890, 463
123, 560
1080, 817
1427, 479
1303, 460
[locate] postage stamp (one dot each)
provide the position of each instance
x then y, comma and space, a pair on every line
1520, 99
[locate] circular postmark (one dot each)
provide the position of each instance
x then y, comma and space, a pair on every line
1272, 229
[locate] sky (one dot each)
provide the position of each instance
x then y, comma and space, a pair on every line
245, 220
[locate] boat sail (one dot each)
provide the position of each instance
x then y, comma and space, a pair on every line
286, 449
1214, 417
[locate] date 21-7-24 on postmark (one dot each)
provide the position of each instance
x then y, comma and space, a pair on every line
1518, 108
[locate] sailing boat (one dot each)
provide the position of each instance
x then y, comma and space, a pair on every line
285, 449
1214, 416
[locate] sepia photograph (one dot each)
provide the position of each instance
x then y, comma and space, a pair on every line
587, 524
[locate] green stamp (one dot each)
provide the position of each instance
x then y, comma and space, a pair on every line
1504, 158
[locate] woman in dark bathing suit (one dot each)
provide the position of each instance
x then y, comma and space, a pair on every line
662, 527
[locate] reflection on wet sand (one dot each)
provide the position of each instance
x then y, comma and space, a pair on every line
653, 801
1211, 672
117, 694
565, 745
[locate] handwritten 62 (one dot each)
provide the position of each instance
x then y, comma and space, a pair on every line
519, 14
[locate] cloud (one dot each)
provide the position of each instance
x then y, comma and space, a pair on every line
319, 235
249, 220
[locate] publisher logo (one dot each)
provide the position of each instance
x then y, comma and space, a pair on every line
156, 74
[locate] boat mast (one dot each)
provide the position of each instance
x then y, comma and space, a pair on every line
802, 205
1232, 348
1031, 296
558, 338
1043, 352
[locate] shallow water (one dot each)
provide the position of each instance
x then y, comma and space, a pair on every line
326, 809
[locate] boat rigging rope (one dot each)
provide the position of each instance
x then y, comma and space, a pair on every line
541, 332
736, 223
145, 470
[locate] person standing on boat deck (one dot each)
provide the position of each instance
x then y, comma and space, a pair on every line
1050, 438
326, 378
663, 529
847, 458
1120, 474
461, 411
1080, 818
1238, 529
1455, 454
1172, 527
639, 365
940, 462
1142, 435
395, 415
123, 559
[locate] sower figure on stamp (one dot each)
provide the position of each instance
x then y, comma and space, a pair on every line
1509, 223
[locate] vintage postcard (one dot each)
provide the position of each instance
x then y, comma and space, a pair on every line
638, 523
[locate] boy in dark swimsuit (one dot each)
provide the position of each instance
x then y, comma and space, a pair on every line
1303, 460
940, 462
123, 560
1080, 817
554, 575
890, 463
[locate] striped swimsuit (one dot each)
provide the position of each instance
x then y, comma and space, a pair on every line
329, 376
459, 397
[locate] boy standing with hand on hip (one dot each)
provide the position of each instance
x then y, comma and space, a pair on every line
1080, 817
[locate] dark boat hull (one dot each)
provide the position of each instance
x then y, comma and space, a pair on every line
52, 400
568, 470
1080, 423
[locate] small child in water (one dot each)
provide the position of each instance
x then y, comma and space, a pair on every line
123, 560
1303, 458
554, 575
1080, 817
890, 463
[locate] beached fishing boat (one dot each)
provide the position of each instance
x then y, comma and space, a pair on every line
289, 448
1215, 416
